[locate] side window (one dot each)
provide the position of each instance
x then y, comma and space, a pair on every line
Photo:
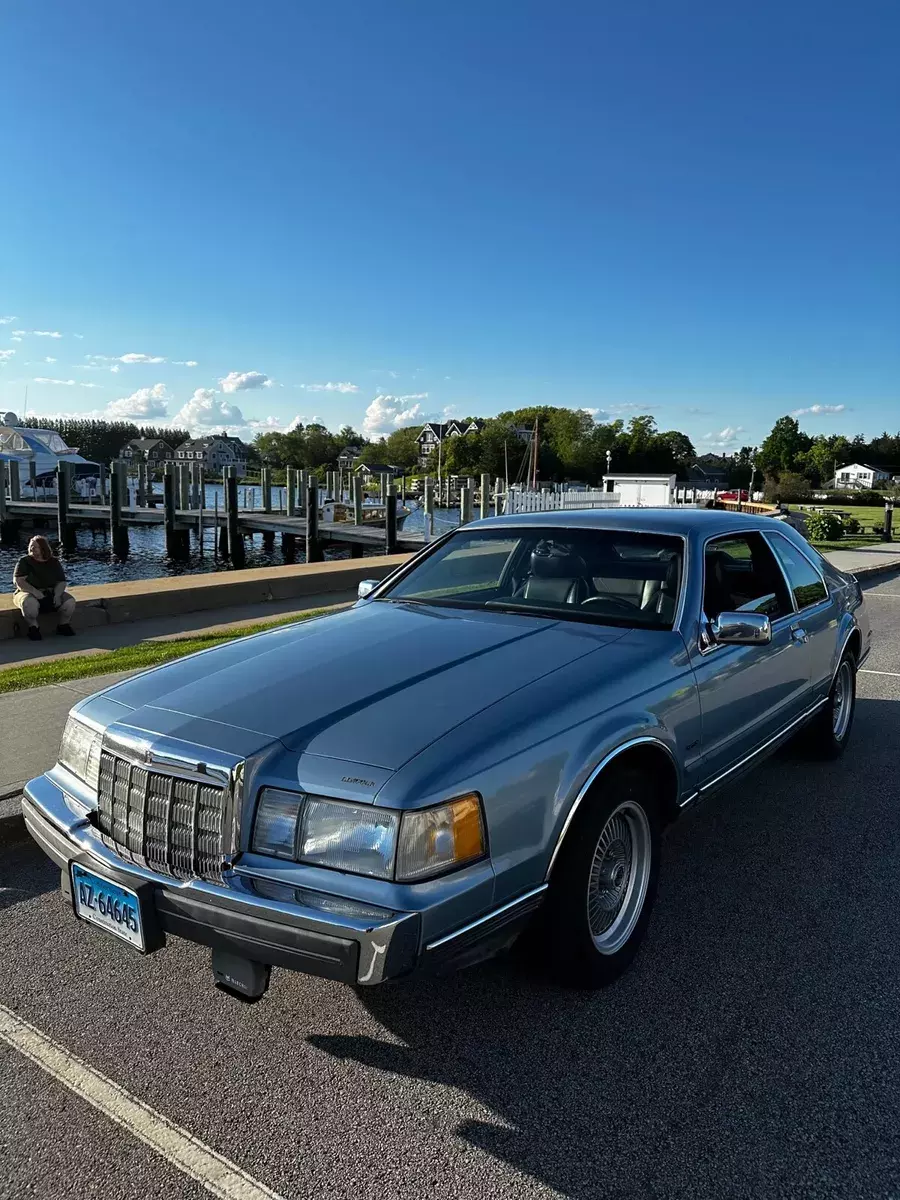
805, 581
741, 575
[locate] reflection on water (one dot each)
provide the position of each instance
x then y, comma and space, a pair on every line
92, 561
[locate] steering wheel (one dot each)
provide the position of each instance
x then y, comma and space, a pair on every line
614, 602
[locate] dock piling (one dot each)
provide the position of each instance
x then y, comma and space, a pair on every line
236, 549
65, 528
290, 503
170, 487
429, 507
313, 545
357, 500
465, 505
485, 509
118, 531
5, 530
15, 482
265, 487
32, 478
390, 521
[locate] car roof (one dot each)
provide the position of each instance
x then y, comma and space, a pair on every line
675, 520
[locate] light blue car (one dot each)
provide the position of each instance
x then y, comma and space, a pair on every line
489, 743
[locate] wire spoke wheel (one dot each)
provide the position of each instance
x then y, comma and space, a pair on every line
620, 872
842, 701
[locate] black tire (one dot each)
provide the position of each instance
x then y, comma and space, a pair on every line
621, 794
826, 737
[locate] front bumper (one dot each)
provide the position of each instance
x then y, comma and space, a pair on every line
232, 917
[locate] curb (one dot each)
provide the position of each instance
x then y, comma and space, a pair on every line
877, 569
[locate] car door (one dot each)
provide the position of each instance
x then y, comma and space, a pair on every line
748, 694
817, 612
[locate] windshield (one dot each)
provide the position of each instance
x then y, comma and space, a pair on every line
602, 575
53, 442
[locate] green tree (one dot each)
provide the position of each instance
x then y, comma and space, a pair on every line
782, 449
402, 448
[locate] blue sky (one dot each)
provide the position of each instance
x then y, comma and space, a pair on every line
383, 211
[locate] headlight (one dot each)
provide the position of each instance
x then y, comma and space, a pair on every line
349, 837
366, 840
79, 751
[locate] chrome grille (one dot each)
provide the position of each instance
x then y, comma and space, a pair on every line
165, 822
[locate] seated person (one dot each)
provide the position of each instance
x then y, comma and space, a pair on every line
40, 584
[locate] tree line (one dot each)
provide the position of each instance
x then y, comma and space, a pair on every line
572, 445
795, 462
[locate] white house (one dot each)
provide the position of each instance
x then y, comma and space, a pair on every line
434, 432
641, 491
862, 477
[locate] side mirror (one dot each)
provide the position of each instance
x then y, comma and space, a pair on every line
366, 586
741, 629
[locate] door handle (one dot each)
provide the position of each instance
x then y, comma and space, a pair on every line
799, 635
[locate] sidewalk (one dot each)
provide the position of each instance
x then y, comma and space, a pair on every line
869, 561
14, 651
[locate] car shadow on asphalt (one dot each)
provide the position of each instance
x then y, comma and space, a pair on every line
24, 874
745, 1052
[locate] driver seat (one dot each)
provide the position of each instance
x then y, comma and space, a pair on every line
557, 576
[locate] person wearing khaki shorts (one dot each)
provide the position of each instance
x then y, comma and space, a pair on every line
40, 584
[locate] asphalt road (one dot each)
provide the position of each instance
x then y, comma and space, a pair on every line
753, 1049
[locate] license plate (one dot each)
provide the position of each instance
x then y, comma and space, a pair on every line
114, 908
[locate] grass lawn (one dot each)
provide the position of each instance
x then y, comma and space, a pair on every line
129, 658
867, 515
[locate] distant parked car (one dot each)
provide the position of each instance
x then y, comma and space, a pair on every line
492, 740
742, 495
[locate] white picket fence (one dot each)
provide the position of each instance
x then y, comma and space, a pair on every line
531, 502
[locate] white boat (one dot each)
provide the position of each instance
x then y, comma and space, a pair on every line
45, 449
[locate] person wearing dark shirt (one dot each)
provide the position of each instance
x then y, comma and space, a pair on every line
40, 584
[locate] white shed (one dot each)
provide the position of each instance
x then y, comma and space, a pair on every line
641, 491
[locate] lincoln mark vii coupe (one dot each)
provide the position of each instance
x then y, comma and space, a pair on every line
489, 743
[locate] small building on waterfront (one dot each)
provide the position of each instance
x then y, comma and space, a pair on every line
150, 450
433, 433
641, 491
215, 452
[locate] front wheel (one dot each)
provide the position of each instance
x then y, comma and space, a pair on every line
604, 882
829, 732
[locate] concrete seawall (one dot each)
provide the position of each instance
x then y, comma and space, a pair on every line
112, 603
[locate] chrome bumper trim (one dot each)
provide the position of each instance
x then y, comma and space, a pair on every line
520, 902
386, 950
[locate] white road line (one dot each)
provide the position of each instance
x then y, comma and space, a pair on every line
220, 1177
866, 671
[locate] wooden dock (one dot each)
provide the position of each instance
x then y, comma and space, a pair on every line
356, 538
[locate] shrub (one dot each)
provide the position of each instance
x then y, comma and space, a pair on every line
851, 526
824, 527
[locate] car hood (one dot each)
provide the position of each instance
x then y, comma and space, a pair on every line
373, 685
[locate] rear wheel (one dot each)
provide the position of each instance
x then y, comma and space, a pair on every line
829, 733
604, 882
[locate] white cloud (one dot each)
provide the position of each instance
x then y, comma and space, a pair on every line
205, 409
20, 333
49, 359
300, 419
141, 358
387, 413
145, 402
819, 410
329, 387
729, 436
7, 320
65, 382
6, 355
184, 362
597, 413
236, 381
80, 336
129, 359
267, 424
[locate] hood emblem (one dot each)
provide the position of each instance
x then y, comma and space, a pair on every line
356, 779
